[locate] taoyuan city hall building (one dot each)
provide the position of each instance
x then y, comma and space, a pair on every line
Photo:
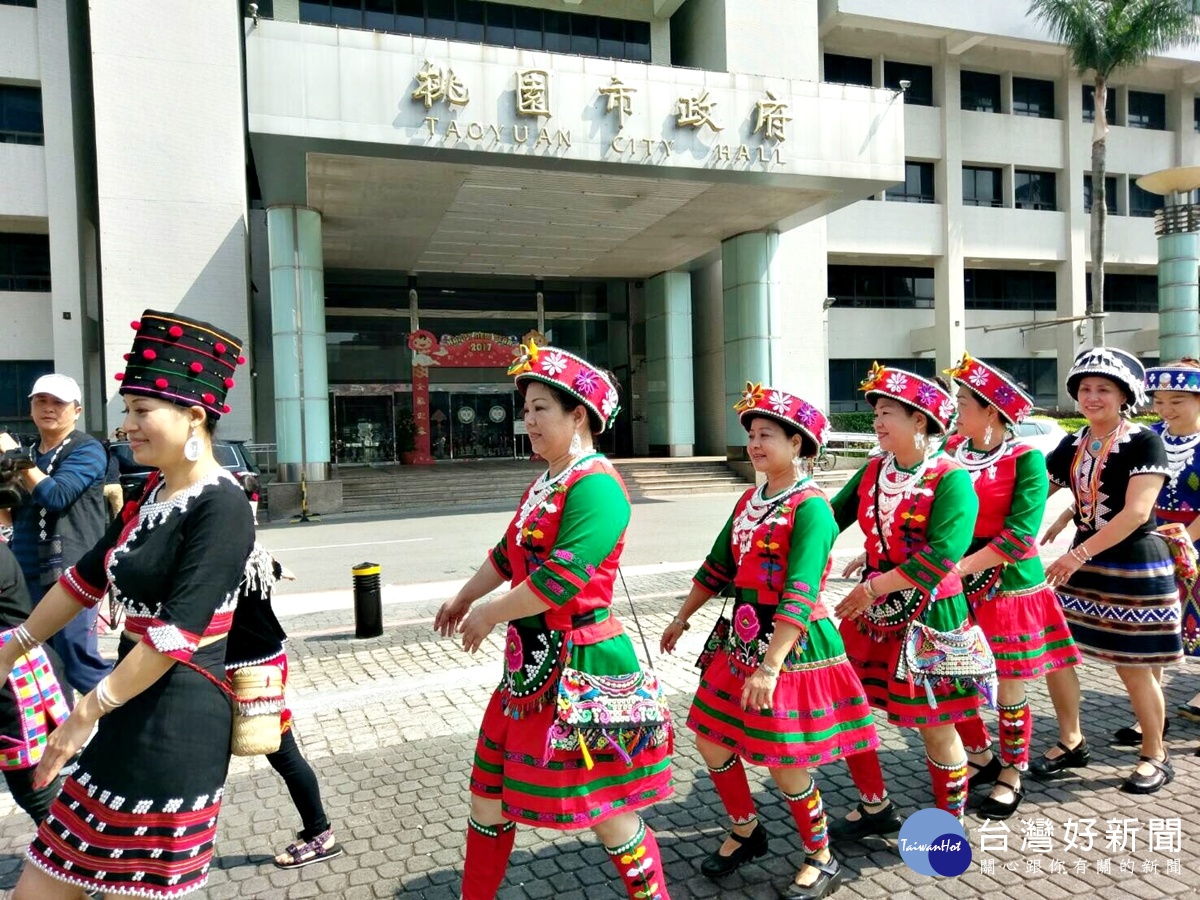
386, 195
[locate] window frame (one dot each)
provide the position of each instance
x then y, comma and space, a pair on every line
1140, 211
920, 91
10, 134
1033, 175
1021, 105
856, 59
1089, 104
1155, 119
997, 201
1113, 207
885, 295
975, 79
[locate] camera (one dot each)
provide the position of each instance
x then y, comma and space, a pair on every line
12, 463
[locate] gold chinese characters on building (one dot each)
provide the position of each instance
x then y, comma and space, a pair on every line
533, 92
433, 85
620, 99
696, 112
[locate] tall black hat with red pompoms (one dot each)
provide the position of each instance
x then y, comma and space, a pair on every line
182, 360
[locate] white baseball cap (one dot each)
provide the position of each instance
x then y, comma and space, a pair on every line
64, 387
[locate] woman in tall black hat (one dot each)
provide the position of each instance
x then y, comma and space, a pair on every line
1117, 583
138, 816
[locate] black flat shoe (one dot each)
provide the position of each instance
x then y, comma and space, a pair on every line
750, 847
886, 821
1164, 773
998, 810
1189, 712
827, 882
1072, 758
983, 775
1131, 737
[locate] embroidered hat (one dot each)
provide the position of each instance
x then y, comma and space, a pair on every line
1115, 365
1181, 376
181, 360
567, 372
1002, 392
913, 391
783, 407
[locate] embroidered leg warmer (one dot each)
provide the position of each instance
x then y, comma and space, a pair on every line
868, 776
974, 734
809, 813
640, 865
734, 790
488, 850
949, 785
1016, 729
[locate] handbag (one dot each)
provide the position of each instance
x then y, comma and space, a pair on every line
1183, 553
257, 710
716, 640
961, 657
40, 706
626, 713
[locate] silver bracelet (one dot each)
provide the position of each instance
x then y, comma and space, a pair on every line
765, 667
24, 639
104, 697
682, 624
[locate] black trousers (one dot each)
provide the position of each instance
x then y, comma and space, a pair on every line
301, 783
35, 802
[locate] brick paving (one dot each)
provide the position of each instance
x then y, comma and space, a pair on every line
390, 724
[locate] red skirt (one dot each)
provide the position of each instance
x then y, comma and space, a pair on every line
906, 706
1027, 632
817, 715
561, 792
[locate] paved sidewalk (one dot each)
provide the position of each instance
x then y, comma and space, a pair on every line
390, 726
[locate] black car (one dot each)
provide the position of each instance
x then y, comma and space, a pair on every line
232, 455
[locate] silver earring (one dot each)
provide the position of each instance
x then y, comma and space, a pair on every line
191, 449
987, 434
798, 467
919, 441
576, 447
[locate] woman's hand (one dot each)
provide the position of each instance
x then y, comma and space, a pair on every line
476, 627
759, 692
1062, 569
855, 566
671, 635
449, 617
1057, 526
64, 742
855, 603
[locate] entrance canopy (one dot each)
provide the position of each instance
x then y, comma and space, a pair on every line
433, 155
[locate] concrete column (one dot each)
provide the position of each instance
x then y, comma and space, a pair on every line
949, 312
1178, 294
671, 405
751, 290
298, 342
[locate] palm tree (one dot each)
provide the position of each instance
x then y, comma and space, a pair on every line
1103, 36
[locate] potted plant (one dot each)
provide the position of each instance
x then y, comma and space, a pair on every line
406, 437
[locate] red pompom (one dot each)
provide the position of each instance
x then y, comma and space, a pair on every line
228, 382
219, 347
209, 399
175, 331
196, 367
161, 384
120, 376
126, 357
225, 408
149, 354
135, 325
241, 360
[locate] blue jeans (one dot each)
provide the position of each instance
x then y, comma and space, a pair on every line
82, 664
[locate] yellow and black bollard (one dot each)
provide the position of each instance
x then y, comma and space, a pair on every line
368, 601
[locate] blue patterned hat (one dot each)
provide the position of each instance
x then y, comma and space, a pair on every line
1181, 376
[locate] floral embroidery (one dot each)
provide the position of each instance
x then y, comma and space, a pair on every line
554, 363
585, 382
926, 395
946, 411
609, 406
745, 623
512, 649
750, 397
779, 402
979, 377
897, 382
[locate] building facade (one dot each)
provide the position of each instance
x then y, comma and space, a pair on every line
387, 195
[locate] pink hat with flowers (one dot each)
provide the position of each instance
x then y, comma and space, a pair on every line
783, 407
913, 391
567, 372
1010, 401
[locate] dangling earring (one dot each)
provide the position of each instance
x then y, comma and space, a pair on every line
798, 467
191, 449
919, 441
987, 434
576, 448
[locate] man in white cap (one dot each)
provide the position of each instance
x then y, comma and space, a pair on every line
65, 515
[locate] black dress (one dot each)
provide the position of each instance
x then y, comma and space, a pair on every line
1123, 605
139, 815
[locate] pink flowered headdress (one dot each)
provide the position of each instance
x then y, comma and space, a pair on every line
913, 391
1010, 401
783, 407
569, 373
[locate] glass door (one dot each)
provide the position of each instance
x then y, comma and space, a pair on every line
364, 430
481, 425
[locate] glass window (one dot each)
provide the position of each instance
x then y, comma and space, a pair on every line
558, 31
500, 32
1009, 289
16, 378
30, 3
1147, 110
612, 37
379, 15
918, 184
24, 262
1196, 113
1089, 104
1035, 190
348, 13
1142, 203
980, 91
469, 26
20, 115
439, 18
637, 40
897, 287
845, 375
528, 24
848, 69
1127, 293
1033, 97
920, 78
583, 35
981, 186
1110, 193
315, 11
410, 16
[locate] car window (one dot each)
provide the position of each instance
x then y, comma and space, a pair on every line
226, 456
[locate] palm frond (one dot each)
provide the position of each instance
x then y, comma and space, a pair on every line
1105, 35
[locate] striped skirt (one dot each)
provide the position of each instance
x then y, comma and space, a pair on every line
819, 712
1027, 632
1123, 606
